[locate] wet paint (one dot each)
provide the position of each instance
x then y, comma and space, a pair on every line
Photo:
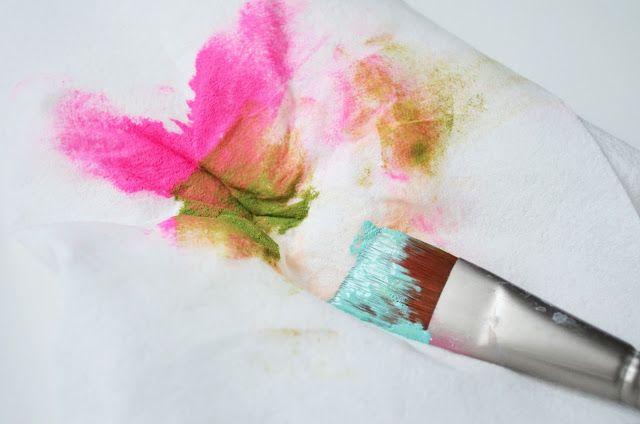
378, 287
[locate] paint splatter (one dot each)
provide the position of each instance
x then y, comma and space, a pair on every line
236, 164
413, 104
364, 177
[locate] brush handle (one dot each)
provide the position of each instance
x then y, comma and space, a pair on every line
483, 316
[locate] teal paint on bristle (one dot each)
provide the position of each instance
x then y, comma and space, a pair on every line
377, 288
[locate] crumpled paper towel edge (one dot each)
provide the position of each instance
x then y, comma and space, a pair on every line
623, 158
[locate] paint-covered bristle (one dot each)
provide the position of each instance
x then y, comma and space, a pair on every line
396, 281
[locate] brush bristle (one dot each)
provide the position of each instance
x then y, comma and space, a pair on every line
396, 281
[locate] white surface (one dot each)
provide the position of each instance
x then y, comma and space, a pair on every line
28, 301
585, 52
27, 293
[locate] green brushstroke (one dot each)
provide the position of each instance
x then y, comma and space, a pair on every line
248, 214
280, 215
377, 287
252, 231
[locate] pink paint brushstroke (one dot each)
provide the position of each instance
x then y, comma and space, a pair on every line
135, 154
246, 70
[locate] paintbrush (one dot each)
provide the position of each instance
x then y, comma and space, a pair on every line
418, 291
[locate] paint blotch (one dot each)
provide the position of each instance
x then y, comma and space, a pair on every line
236, 165
133, 153
415, 104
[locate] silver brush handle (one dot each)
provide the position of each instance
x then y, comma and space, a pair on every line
483, 316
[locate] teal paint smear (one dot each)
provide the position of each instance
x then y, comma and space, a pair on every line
377, 287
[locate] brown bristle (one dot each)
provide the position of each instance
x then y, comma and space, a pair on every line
430, 267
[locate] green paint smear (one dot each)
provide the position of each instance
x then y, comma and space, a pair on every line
249, 229
272, 214
377, 287
247, 188
249, 216
422, 98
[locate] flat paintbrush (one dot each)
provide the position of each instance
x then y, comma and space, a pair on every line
421, 292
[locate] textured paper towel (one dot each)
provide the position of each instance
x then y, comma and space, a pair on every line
150, 332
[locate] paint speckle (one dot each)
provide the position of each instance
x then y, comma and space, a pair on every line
299, 332
364, 177
541, 309
289, 355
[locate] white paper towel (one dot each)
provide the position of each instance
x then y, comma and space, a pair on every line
153, 333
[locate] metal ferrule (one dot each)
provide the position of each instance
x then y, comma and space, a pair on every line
485, 317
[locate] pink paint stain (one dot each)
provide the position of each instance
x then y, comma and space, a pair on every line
168, 230
397, 175
429, 225
135, 154
165, 89
423, 225
359, 107
237, 73
245, 70
454, 344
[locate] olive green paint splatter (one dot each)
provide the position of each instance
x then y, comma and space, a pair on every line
418, 103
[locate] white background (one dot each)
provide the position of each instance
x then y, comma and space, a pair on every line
586, 52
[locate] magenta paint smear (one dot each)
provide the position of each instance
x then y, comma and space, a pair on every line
135, 154
233, 71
